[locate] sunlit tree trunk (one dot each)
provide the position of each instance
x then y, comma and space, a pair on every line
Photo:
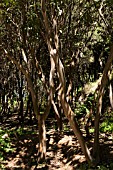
68, 111
111, 88
54, 53
57, 116
43, 117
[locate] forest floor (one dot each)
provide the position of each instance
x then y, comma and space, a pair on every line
63, 150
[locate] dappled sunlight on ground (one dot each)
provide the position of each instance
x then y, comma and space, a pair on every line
63, 150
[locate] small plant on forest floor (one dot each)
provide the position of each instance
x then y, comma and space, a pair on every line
107, 125
99, 167
83, 108
5, 146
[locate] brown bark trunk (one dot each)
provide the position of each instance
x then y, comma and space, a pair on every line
68, 111
57, 116
42, 138
111, 95
29, 81
42, 118
104, 81
111, 88
61, 75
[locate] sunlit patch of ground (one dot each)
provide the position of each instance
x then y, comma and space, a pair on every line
63, 151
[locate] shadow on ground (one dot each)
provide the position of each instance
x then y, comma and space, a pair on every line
63, 151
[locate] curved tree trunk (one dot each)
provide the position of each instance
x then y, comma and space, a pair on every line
104, 81
54, 53
57, 116
68, 111
42, 118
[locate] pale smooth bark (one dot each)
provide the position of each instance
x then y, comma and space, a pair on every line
111, 87
111, 95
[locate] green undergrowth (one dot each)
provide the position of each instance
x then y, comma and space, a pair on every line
107, 124
99, 167
6, 144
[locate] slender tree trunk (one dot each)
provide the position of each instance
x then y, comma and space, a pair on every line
3, 107
111, 95
111, 88
104, 81
57, 116
21, 117
41, 118
42, 138
68, 111
29, 108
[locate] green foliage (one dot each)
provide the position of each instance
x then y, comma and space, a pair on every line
5, 145
105, 167
91, 130
6, 138
99, 167
65, 128
84, 35
5, 141
81, 109
21, 131
107, 125
9, 2
84, 107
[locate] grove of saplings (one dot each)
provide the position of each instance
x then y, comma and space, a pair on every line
56, 64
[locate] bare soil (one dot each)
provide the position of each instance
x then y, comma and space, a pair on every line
63, 150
